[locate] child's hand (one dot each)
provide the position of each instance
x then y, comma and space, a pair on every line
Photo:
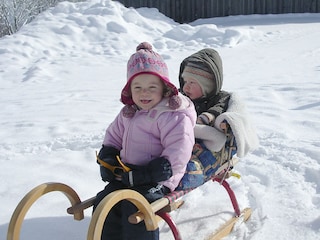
206, 119
110, 169
200, 121
159, 169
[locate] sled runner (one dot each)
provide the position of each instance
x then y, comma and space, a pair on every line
151, 214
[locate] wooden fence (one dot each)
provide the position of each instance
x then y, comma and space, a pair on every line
184, 11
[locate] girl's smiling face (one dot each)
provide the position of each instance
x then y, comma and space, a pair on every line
147, 90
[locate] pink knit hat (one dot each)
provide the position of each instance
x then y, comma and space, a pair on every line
145, 60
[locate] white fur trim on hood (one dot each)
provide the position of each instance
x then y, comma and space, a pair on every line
242, 129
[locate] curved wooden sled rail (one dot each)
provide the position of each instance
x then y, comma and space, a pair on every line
144, 207
25, 204
146, 211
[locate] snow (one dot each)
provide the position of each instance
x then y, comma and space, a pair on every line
61, 78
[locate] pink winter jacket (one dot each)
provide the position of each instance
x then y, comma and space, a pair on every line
159, 132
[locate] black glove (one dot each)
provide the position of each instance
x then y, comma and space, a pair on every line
109, 166
107, 174
159, 169
108, 152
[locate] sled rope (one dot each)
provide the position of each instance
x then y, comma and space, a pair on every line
125, 168
115, 169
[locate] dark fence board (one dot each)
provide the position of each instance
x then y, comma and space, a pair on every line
185, 11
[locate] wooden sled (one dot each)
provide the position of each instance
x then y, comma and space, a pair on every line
151, 214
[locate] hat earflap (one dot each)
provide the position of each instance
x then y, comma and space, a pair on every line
129, 110
174, 100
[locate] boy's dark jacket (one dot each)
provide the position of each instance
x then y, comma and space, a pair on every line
217, 101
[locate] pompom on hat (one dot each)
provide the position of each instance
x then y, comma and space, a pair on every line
145, 60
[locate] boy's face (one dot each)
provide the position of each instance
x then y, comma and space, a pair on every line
147, 91
192, 88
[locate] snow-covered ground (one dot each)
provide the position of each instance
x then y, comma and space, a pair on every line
61, 78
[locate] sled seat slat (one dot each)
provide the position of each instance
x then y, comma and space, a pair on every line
175, 195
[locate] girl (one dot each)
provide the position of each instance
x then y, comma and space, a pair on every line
153, 136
